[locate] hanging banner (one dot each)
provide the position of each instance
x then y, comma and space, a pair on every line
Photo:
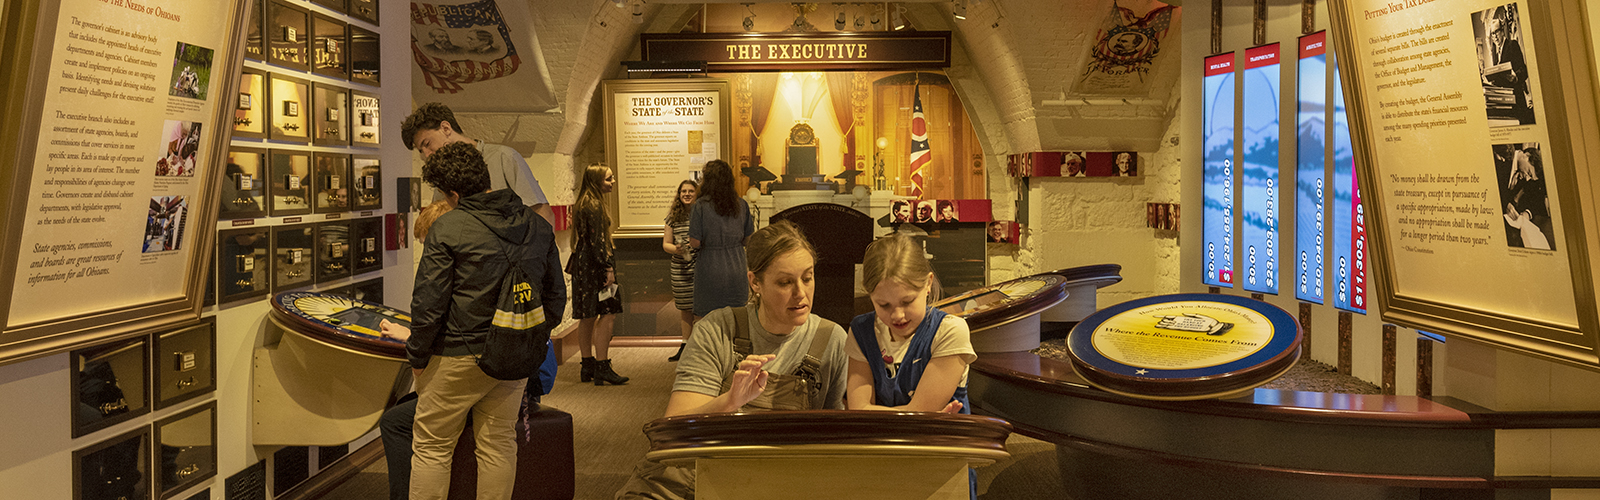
478, 55
1259, 171
1311, 159
1218, 210
1127, 47
1349, 265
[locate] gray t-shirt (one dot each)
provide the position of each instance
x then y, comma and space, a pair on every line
508, 169
709, 357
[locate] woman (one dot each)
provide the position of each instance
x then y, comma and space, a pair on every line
675, 241
718, 223
593, 268
716, 375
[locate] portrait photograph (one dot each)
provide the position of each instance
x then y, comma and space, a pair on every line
1497, 36
901, 211
947, 212
925, 209
1524, 201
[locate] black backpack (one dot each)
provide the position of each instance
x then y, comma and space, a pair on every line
518, 334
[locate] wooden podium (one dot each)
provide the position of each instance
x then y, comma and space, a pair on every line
829, 453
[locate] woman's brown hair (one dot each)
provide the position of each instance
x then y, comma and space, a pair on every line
592, 196
776, 240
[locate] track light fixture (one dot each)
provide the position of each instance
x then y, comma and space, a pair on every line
959, 9
897, 19
750, 20
638, 13
839, 18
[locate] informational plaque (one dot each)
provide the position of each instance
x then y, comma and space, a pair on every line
1185, 346
1473, 127
659, 133
116, 135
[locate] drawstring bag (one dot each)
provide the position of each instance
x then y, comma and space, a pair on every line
517, 340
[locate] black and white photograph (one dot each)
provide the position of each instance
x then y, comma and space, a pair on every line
902, 211
1524, 201
1502, 69
163, 227
925, 210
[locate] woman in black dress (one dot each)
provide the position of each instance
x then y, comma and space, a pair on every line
595, 302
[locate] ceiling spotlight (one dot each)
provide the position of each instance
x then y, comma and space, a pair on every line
896, 19
959, 9
839, 19
750, 20
620, 3
861, 22
638, 13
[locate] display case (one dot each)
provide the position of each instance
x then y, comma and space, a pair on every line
249, 116
293, 255
255, 44
114, 469
288, 35
365, 10
329, 47
364, 56
243, 263
369, 290
335, 5
109, 384
187, 449
185, 363
364, 119
331, 183
368, 188
366, 240
333, 251
244, 195
290, 109
333, 115
290, 187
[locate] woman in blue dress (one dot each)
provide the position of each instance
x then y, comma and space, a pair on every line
718, 224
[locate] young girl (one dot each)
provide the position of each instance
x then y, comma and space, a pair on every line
593, 268
675, 241
905, 356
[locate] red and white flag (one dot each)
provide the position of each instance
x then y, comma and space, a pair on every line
921, 154
460, 44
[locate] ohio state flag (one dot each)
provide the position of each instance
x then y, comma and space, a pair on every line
461, 43
921, 154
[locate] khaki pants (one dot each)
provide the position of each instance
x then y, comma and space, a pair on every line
449, 388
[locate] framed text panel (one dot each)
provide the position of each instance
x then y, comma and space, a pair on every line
1473, 125
658, 133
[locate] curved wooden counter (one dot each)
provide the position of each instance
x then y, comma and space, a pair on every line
1317, 445
829, 453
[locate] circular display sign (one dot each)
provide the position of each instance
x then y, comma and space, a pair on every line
1007, 301
1186, 346
341, 321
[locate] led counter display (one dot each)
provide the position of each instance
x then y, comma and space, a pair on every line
1218, 211
1311, 142
1259, 199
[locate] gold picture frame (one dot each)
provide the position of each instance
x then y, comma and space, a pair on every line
1448, 146
665, 96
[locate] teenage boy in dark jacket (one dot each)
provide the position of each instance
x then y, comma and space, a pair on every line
457, 287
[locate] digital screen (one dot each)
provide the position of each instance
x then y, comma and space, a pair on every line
1259, 171
365, 318
1349, 221
1311, 167
1218, 210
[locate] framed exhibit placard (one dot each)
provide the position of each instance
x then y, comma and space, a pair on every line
331, 182
115, 468
329, 44
117, 130
244, 195
289, 110
332, 118
367, 178
244, 263
289, 182
658, 133
365, 62
1473, 128
249, 112
364, 119
110, 384
186, 444
185, 363
288, 35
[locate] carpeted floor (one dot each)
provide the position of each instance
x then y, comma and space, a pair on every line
609, 440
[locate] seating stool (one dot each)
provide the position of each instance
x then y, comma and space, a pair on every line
545, 468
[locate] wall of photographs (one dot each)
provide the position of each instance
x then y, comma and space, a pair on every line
1246, 113
303, 188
